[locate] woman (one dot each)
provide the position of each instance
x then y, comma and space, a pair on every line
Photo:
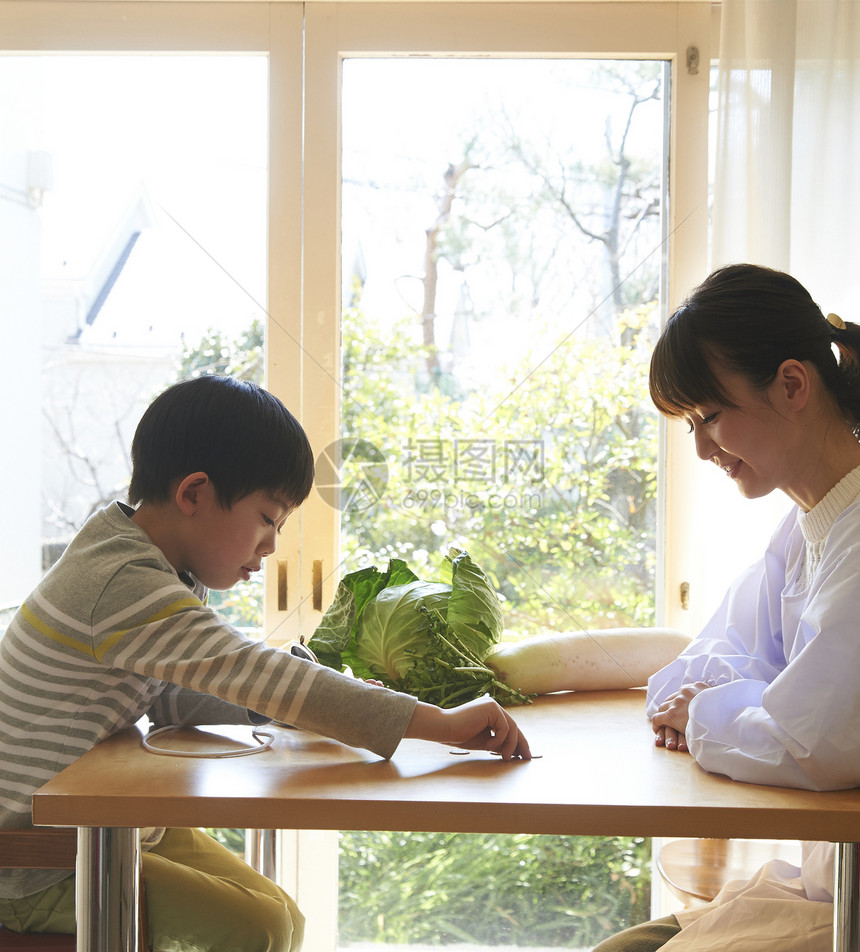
768, 692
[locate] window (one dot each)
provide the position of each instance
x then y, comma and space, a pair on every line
502, 233
343, 42
303, 254
343, 39
138, 187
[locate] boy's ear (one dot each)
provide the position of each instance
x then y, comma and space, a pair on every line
792, 384
191, 492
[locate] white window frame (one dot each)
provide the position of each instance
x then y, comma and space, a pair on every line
335, 31
303, 347
272, 29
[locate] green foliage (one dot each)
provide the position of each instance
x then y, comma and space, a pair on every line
234, 840
241, 356
490, 889
241, 605
545, 468
485, 889
565, 531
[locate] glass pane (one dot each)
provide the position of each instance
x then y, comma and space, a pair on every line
478, 892
502, 271
502, 262
134, 191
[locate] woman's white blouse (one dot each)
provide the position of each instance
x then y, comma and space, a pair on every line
783, 655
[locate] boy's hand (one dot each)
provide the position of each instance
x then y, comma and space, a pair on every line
670, 722
481, 724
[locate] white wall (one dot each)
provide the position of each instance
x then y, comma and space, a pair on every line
20, 350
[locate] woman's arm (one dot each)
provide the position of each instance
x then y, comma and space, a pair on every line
743, 639
741, 644
802, 728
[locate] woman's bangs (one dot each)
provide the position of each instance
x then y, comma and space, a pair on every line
681, 377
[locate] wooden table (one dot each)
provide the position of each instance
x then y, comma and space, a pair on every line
599, 773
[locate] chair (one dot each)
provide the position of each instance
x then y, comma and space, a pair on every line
695, 870
45, 848
37, 849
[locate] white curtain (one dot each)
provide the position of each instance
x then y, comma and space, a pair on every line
787, 164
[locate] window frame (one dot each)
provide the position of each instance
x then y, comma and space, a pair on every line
271, 29
335, 31
306, 44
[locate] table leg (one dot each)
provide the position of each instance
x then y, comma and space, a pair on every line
846, 899
107, 890
260, 852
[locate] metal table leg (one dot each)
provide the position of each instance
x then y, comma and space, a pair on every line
846, 898
107, 890
260, 852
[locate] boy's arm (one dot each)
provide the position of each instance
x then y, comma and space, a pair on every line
149, 624
477, 725
178, 705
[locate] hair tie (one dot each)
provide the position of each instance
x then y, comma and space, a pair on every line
835, 321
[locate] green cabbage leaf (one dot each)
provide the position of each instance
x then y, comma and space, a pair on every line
427, 638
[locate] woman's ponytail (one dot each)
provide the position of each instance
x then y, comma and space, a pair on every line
844, 381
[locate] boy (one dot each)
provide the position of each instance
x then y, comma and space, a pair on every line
119, 628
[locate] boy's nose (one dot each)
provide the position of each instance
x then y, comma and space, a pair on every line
268, 545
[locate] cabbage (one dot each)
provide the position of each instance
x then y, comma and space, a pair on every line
426, 638
392, 631
474, 613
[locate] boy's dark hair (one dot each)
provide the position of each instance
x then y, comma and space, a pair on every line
750, 319
240, 435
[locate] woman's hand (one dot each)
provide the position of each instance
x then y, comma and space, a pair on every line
481, 724
670, 721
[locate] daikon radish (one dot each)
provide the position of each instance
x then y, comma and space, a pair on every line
598, 660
